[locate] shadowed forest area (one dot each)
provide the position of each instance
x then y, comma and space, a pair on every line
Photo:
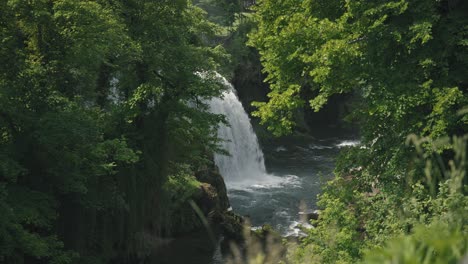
233, 131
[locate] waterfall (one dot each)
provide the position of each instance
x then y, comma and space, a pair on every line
245, 162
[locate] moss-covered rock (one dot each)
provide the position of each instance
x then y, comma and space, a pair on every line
232, 226
208, 192
207, 199
212, 177
214, 203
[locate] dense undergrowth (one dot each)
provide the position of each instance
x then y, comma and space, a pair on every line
399, 197
411, 222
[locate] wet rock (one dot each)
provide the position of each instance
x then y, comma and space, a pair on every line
232, 226
208, 199
214, 203
212, 177
315, 215
310, 215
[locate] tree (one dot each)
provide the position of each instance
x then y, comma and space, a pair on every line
404, 61
95, 99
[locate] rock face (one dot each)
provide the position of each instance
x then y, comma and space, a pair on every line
208, 199
214, 203
212, 177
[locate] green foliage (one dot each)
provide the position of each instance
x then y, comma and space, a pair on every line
405, 62
24, 208
390, 53
425, 222
223, 12
98, 99
438, 243
181, 188
439, 225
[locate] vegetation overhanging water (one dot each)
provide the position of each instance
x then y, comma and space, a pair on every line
107, 138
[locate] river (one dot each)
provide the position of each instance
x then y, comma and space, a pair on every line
269, 184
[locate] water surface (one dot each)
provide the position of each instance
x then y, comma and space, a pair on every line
298, 168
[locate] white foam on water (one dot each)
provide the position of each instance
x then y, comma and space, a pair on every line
295, 230
348, 143
315, 146
265, 182
255, 228
282, 213
280, 148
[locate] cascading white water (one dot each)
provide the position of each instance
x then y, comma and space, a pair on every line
244, 168
265, 197
246, 162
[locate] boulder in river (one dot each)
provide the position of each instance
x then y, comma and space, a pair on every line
310, 215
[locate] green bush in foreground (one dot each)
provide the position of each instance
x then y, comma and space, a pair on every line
436, 243
419, 224
405, 64
422, 224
